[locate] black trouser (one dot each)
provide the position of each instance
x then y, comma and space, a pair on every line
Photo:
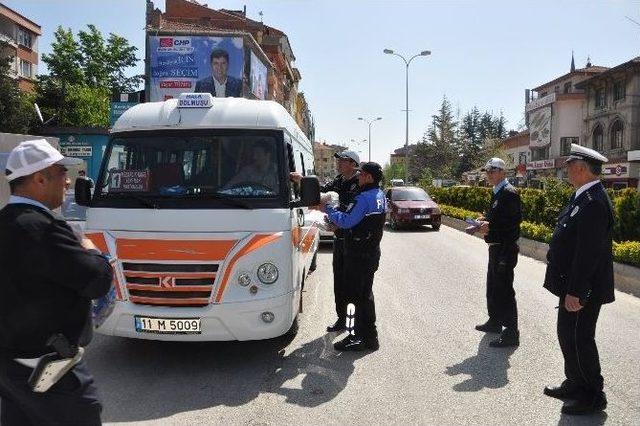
577, 337
339, 289
359, 272
501, 297
73, 400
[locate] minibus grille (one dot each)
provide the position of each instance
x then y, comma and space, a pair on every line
170, 284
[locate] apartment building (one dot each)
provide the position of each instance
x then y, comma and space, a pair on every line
21, 37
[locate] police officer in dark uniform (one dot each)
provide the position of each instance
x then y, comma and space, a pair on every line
580, 273
362, 226
346, 185
501, 230
49, 276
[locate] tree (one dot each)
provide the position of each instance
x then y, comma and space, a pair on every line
16, 109
83, 75
393, 171
439, 150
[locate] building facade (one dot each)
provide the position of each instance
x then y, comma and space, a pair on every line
554, 116
324, 160
185, 17
612, 122
21, 37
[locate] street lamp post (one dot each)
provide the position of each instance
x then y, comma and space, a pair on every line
406, 140
369, 122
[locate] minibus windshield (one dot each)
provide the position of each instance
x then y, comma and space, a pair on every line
156, 169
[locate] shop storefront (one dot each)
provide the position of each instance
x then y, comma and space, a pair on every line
620, 175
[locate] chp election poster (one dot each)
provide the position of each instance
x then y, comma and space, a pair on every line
180, 64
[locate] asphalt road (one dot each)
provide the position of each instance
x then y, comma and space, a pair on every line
432, 367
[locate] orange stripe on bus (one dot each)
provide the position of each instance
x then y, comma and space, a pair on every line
157, 288
309, 238
256, 242
98, 239
142, 249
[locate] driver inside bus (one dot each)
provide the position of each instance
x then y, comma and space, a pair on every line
261, 172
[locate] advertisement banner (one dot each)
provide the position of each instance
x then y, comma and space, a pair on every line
540, 164
540, 127
180, 64
258, 77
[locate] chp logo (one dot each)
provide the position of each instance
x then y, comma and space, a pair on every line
175, 44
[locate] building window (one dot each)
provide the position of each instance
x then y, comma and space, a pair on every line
601, 98
565, 145
567, 87
598, 138
24, 38
539, 154
618, 90
25, 69
616, 135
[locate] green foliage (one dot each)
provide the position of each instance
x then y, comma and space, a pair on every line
627, 252
536, 231
88, 106
543, 206
83, 74
393, 171
626, 207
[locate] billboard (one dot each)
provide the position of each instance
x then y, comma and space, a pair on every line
540, 127
258, 77
179, 64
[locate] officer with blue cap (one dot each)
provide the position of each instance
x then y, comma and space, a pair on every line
363, 223
580, 273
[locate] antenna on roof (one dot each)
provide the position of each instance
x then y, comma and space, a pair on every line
588, 62
261, 15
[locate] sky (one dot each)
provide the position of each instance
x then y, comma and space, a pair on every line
484, 53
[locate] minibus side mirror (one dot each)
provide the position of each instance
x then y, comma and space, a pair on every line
83, 191
309, 191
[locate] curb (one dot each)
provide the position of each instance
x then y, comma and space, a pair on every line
626, 277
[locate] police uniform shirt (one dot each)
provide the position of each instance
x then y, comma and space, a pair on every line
364, 218
580, 256
504, 215
347, 190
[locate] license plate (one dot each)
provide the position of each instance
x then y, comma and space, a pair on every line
167, 325
421, 216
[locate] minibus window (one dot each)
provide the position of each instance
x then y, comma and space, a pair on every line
193, 165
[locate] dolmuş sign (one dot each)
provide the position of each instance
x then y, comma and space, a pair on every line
195, 100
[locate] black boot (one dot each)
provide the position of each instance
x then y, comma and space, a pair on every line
350, 343
508, 338
490, 326
587, 404
567, 390
339, 325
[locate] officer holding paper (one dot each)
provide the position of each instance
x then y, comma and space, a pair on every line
49, 276
580, 273
501, 229
362, 224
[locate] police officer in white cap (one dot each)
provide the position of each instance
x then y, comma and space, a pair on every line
580, 273
501, 229
49, 276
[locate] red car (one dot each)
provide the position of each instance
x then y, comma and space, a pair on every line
410, 205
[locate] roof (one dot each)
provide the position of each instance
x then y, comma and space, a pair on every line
20, 19
632, 62
591, 70
226, 113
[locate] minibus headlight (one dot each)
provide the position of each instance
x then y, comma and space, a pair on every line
244, 279
267, 273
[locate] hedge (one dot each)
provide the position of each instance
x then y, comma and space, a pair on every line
624, 252
543, 206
